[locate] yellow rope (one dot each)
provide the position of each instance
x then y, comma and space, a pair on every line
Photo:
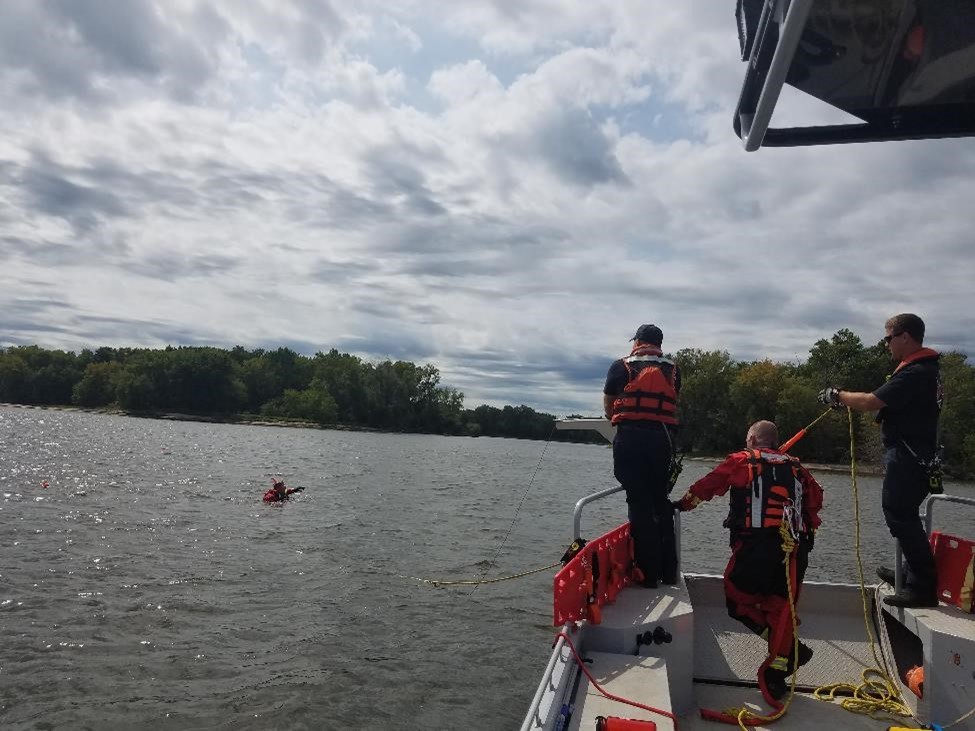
877, 693
743, 714
475, 582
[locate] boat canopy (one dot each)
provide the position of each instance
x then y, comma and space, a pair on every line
906, 68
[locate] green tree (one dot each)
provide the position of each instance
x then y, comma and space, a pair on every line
311, 404
958, 413
97, 387
13, 378
754, 392
345, 376
703, 409
843, 361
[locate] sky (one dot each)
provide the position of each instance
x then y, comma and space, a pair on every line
503, 188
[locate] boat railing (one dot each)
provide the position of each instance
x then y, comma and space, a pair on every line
533, 719
577, 513
577, 518
607, 430
928, 517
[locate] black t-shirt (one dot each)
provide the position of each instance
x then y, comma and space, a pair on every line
911, 407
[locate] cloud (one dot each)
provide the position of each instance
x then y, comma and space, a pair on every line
61, 49
504, 189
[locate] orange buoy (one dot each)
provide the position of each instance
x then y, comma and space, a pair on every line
915, 680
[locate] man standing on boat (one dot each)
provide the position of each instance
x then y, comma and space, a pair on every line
640, 398
908, 407
769, 489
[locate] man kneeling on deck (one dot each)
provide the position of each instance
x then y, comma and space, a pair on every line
768, 489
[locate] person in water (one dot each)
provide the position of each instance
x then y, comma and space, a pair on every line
768, 488
279, 492
640, 398
908, 407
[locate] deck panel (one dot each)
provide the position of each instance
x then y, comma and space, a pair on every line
727, 652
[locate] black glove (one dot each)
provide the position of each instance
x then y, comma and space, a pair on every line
830, 396
677, 505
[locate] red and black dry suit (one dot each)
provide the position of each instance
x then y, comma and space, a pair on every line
273, 496
645, 387
765, 484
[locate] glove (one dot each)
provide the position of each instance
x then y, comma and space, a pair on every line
677, 505
830, 396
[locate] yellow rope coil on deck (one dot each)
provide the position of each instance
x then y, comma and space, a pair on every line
475, 582
878, 692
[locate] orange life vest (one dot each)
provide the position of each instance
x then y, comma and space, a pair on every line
774, 484
650, 393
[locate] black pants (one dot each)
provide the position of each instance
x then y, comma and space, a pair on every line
905, 488
755, 586
641, 463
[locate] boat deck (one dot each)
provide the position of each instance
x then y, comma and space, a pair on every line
726, 658
832, 625
805, 712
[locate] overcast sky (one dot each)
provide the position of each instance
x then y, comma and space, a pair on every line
505, 189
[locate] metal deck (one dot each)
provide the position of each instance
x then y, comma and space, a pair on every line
832, 625
726, 658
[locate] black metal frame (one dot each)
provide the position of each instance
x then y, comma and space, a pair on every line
770, 50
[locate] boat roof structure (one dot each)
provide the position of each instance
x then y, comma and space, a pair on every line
904, 68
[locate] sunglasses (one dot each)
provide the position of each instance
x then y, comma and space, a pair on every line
888, 338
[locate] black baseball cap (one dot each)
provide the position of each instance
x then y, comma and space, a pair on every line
649, 334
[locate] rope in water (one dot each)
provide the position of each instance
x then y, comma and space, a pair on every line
476, 582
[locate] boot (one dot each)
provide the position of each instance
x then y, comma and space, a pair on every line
886, 575
909, 599
805, 655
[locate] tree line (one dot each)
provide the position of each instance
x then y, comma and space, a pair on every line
719, 398
330, 388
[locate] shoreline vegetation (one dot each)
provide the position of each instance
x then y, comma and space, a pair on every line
719, 398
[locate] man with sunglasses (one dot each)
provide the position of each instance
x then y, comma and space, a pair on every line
908, 406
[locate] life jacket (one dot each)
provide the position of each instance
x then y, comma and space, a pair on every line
774, 483
273, 496
650, 393
919, 354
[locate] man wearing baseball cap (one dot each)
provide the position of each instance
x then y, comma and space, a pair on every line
640, 398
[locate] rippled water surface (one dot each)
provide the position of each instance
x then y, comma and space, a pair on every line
148, 585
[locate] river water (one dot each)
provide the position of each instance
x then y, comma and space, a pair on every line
148, 585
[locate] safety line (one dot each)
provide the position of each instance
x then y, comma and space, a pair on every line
475, 582
518, 510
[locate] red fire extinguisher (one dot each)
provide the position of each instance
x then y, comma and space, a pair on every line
623, 724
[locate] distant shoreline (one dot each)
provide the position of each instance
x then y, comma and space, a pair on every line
203, 418
863, 469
